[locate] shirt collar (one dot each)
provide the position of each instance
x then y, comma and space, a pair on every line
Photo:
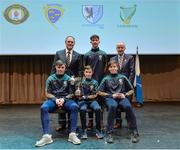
121, 56
69, 51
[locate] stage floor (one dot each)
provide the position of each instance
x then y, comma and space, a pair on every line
158, 124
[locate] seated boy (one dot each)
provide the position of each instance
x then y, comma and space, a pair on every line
116, 89
88, 100
59, 93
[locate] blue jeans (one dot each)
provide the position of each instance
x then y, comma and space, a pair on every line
50, 106
84, 105
124, 104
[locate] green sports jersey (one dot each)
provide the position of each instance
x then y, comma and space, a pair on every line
89, 87
59, 85
117, 83
97, 59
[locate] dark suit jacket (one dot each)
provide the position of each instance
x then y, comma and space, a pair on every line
75, 67
128, 68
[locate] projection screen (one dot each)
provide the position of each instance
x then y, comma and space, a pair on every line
35, 27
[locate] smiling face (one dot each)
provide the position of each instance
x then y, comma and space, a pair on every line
120, 47
113, 68
95, 42
70, 42
88, 73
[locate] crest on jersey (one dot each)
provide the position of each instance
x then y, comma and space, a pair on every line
120, 81
91, 87
100, 57
65, 83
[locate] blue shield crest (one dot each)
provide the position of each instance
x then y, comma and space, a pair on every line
53, 12
92, 13
54, 15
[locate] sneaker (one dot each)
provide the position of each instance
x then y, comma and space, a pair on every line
73, 138
134, 137
110, 139
46, 139
99, 134
90, 125
84, 135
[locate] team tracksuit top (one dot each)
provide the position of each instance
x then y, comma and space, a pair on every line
89, 88
60, 86
97, 59
115, 83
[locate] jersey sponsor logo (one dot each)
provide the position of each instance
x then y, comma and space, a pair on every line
16, 14
92, 13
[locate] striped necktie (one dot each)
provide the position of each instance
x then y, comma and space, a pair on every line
68, 58
120, 61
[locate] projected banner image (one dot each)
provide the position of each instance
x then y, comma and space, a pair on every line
30, 27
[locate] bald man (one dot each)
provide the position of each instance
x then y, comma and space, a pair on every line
125, 67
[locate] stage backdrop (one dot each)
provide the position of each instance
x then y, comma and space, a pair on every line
40, 26
31, 31
22, 78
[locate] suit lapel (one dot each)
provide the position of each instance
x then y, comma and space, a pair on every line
124, 61
116, 59
64, 55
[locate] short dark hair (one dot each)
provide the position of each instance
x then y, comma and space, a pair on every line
60, 62
112, 62
88, 67
94, 36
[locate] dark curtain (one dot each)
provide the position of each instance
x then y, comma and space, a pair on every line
22, 78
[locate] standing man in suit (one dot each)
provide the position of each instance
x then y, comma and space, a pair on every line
73, 62
125, 67
70, 57
97, 59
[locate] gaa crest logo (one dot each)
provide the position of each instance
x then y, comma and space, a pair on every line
52, 13
91, 87
65, 83
126, 14
120, 81
16, 14
100, 57
92, 13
